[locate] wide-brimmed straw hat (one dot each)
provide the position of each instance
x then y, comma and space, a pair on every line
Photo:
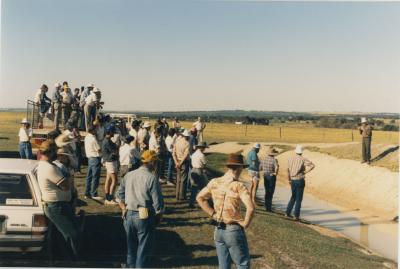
202, 145
235, 159
149, 156
363, 120
63, 140
271, 151
146, 124
47, 145
24, 121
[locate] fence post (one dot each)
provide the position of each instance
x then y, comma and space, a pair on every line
352, 136
280, 133
245, 132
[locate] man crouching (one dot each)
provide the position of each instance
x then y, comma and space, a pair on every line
226, 193
142, 205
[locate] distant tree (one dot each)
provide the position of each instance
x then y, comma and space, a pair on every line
391, 128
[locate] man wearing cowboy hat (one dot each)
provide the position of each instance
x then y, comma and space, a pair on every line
253, 163
56, 196
227, 194
198, 178
181, 158
298, 167
366, 133
142, 206
25, 135
270, 167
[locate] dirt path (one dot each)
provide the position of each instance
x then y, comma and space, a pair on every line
369, 191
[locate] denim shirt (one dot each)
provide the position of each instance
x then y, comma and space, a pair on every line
253, 161
140, 188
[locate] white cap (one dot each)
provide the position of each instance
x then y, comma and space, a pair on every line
185, 133
58, 84
363, 120
299, 149
24, 120
257, 146
96, 90
146, 124
90, 85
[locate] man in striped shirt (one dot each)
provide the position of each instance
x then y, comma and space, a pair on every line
270, 166
298, 166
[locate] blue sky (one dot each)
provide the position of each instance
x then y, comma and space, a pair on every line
206, 55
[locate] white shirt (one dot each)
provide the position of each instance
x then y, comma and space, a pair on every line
169, 142
142, 134
153, 143
91, 99
49, 178
66, 97
198, 159
92, 147
134, 133
24, 134
38, 96
199, 125
126, 154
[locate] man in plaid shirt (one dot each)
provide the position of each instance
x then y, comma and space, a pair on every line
270, 166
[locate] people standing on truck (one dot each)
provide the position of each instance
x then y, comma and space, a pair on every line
93, 153
144, 136
182, 162
25, 135
298, 167
142, 206
198, 178
56, 102
110, 157
90, 107
169, 143
75, 114
56, 197
82, 101
42, 102
66, 103
366, 133
227, 193
200, 126
253, 163
269, 165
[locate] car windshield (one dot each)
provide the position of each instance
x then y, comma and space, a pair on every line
15, 190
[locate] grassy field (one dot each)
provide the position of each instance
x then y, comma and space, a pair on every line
185, 238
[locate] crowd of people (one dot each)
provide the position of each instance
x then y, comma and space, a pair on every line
145, 157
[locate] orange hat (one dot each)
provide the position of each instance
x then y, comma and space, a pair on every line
149, 156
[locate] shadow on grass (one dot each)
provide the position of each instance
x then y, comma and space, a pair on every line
383, 154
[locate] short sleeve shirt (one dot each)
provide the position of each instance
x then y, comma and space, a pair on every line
227, 195
24, 134
253, 161
49, 179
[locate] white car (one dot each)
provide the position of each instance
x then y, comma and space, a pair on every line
23, 225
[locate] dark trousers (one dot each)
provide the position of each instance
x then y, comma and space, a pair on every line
182, 175
269, 186
297, 186
198, 182
139, 237
170, 164
93, 176
366, 149
63, 218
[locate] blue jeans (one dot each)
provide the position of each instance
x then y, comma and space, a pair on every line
170, 164
297, 197
25, 150
139, 237
231, 244
62, 216
93, 176
269, 186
